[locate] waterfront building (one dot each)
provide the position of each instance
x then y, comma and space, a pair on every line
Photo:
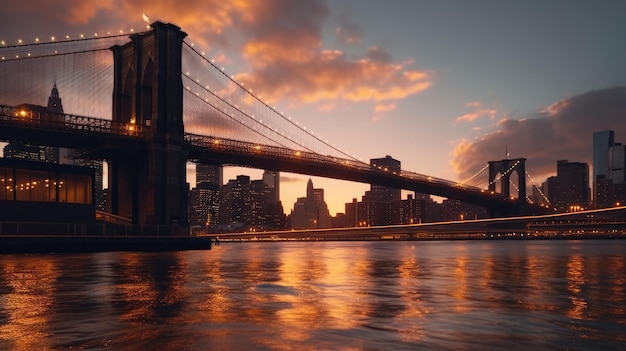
45, 192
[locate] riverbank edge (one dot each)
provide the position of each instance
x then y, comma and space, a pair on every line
80, 244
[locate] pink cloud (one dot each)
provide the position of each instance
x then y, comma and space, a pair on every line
385, 107
479, 112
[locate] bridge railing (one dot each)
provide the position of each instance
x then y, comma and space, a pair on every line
242, 147
236, 146
37, 116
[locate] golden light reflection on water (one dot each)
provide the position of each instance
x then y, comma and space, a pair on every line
27, 305
460, 279
537, 273
344, 285
408, 288
575, 280
281, 296
303, 309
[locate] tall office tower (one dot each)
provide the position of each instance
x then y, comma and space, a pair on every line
618, 173
381, 193
571, 188
618, 161
272, 180
209, 173
602, 143
203, 205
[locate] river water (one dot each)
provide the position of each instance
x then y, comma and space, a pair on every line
440, 295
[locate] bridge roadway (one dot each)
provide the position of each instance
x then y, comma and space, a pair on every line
101, 138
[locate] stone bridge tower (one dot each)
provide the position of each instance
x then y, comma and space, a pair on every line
505, 168
149, 185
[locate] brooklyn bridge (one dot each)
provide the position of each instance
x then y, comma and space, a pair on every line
171, 105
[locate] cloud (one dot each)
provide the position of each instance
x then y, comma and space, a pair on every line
288, 179
563, 130
279, 40
287, 61
385, 107
348, 32
478, 112
329, 75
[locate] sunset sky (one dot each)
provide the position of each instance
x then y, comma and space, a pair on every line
443, 86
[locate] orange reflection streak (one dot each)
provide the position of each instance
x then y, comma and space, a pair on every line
135, 291
305, 311
575, 280
537, 273
343, 291
460, 276
408, 287
28, 303
216, 304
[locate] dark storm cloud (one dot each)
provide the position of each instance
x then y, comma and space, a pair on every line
562, 131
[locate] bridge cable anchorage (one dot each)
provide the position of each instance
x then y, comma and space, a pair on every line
277, 113
538, 189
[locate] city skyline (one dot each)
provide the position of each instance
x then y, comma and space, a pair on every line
443, 87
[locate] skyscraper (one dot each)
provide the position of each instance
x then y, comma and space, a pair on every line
272, 180
602, 143
571, 189
311, 211
209, 173
618, 173
381, 193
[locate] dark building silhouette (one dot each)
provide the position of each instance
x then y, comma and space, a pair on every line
569, 190
54, 113
45, 192
31, 152
602, 143
311, 211
409, 211
618, 174
246, 205
209, 173
456, 210
379, 193
203, 205
375, 207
